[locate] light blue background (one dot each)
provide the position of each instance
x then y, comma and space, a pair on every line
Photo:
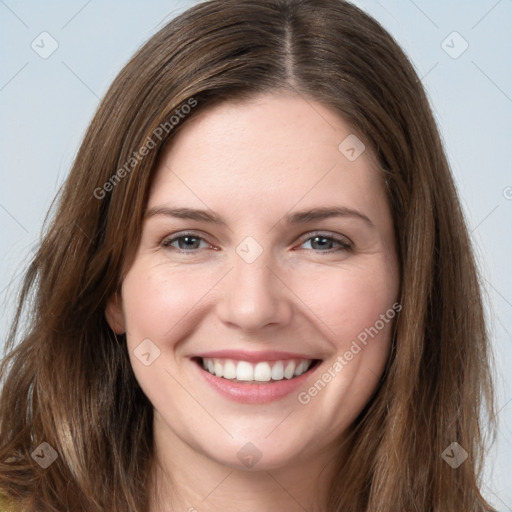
46, 105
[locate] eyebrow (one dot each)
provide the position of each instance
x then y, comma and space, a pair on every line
300, 217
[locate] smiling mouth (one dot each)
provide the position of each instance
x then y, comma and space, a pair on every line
262, 372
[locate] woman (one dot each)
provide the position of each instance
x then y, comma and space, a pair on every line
258, 290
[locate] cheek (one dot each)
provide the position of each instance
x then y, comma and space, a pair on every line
350, 302
356, 310
157, 301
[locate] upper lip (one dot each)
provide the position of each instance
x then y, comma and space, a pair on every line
253, 356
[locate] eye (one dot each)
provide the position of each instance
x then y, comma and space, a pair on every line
191, 242
185, 242
327, 243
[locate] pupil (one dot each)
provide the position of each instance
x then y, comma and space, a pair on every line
189, 241
322, 244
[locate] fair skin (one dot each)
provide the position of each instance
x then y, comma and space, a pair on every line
290, 289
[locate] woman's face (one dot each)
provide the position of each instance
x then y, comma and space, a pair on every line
259, 307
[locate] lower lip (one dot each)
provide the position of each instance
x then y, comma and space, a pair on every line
254, 393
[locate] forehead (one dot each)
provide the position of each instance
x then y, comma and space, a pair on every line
279, 147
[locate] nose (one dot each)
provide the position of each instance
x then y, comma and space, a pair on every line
255, 296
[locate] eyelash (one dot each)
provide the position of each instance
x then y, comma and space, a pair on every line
344, 245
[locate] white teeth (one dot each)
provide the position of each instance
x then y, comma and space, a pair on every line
264, 371
229, 370
289, 370
278, 371
301, 368
218, 367
244, 371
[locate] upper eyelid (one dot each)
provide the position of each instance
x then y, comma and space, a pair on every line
342, 239
180, 234
325, 234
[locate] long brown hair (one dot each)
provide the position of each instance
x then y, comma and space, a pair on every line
66, 376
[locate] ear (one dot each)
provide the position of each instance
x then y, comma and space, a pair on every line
114, 314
